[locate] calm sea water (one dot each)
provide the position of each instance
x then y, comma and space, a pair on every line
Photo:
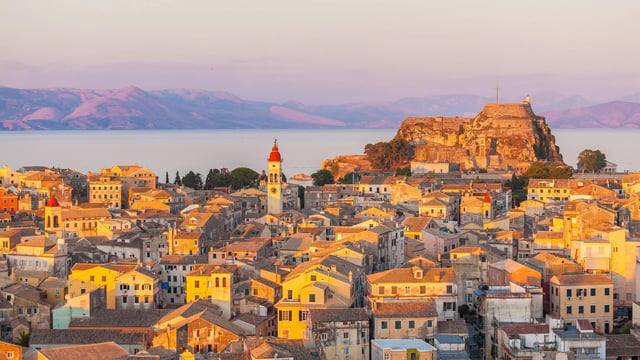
200, 150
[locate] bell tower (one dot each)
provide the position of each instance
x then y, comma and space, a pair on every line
274, 181
53, 216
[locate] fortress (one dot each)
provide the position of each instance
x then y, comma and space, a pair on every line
501, 136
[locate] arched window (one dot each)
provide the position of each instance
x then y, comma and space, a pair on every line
217, 282
224, 282
55, 221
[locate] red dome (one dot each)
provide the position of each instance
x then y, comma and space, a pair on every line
487, 198
275, 154
52, 202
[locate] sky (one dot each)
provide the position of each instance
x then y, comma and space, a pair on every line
330, 51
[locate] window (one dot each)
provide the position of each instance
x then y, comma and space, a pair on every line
407, 289
569, 309
92, 278
580, 309
345, 351
124, 299
394, 290
429, 323
569, 293
136, 299
412, 324
449, 289
302, 315
384, 325
593, 291
345, 335
387, 356
606, 308
312, 297
284, 315
398, 324
9, 354
606, 291
381, 290
255, 291
313, 278
423, 289
323, 336
592, 308
196, 284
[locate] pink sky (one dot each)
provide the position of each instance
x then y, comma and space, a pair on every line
325, 51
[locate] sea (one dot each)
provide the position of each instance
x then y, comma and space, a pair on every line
171, 151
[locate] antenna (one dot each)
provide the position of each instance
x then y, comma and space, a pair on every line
497, 91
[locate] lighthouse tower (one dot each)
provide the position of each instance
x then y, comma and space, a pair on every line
274, 181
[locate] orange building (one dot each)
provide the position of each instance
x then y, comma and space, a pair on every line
8, 201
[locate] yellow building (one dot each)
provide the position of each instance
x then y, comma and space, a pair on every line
210, 282
76, 221
184, 242
105, 189
321, 284
583, 296
551, 190
415, 283
90, 276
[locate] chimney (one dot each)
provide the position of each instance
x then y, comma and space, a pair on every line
333, 267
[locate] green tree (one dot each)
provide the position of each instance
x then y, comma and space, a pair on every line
301, 195
537, 170
387, 155
560, 172
592, 160
177, 180
349, 178
403, 171
322, 177
243, 177
192, 180
23, 340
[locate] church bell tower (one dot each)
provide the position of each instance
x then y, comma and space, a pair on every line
274, 181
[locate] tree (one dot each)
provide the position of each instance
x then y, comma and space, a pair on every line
403, 171
243, 177
349, 178
592, 160
192, 180
166, 177
322, 177
177, 180
537, 170
23, 340
387, 155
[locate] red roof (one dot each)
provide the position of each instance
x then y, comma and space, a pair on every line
487, 198
275, 153
53, 202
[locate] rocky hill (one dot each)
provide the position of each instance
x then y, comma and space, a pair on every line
500, 136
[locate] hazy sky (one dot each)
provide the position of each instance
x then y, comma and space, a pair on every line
325, 51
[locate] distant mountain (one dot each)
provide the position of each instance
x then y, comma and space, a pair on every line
134, 108
616, 114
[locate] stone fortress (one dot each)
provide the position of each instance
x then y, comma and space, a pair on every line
501, 136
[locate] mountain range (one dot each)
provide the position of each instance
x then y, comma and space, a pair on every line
134, 108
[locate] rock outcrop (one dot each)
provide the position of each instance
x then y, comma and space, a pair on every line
500, 136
